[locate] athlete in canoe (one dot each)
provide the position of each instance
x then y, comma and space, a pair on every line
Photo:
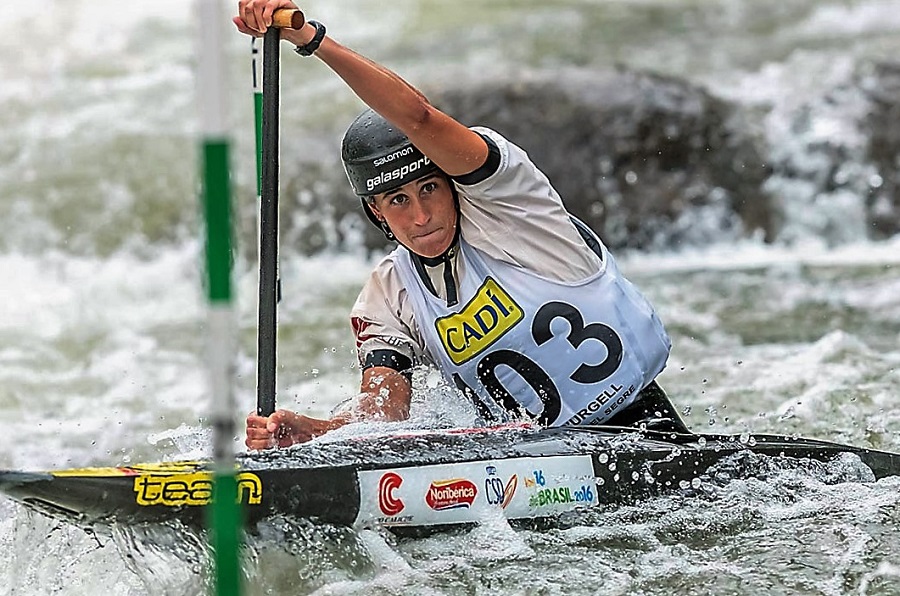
518, 304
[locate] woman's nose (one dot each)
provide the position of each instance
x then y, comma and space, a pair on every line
421, 213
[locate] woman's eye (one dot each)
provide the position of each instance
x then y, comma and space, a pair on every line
398, 199
429, 187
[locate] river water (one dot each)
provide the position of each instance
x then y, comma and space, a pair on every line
101, 313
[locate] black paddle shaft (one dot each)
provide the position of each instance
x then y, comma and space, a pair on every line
268, 223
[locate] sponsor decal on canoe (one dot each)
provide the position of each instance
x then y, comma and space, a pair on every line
176, 490
470, 492
387, 500
495, 491
558, 494
561, 495
481, 322
451, 494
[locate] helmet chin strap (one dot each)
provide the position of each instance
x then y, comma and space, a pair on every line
446, 258
387, 231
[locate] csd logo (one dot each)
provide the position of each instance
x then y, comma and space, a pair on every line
496, 492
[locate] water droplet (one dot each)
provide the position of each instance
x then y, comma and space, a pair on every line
701, 441
695, 483
603, 458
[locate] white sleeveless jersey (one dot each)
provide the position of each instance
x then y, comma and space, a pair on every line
567, 353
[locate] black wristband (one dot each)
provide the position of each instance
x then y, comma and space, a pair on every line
313, 45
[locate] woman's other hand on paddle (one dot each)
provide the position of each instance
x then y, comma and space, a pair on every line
285, 428
255, 16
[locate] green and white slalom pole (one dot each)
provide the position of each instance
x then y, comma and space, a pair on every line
224, 513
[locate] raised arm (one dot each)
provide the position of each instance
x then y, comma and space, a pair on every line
452, 146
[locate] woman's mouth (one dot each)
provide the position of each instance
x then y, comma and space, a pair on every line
426, 234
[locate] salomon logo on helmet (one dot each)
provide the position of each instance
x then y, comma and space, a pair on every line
388, 158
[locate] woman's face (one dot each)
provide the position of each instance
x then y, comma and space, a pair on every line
421, 214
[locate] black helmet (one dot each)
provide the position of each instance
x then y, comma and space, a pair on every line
378, 157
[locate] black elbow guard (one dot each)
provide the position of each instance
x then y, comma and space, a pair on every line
389, 359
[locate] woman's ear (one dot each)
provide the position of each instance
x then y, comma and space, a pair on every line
374, 208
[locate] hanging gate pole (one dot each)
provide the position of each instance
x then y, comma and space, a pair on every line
224, 512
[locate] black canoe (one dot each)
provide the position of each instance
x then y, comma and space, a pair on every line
428, 478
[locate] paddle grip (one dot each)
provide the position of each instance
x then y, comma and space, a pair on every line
288, 18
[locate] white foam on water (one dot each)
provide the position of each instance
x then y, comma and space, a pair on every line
101, 359
751, 254
50, 557
885, 574
853, 20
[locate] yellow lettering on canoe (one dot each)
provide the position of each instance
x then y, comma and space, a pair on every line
176, 490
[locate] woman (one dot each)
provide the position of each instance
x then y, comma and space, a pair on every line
516, 302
